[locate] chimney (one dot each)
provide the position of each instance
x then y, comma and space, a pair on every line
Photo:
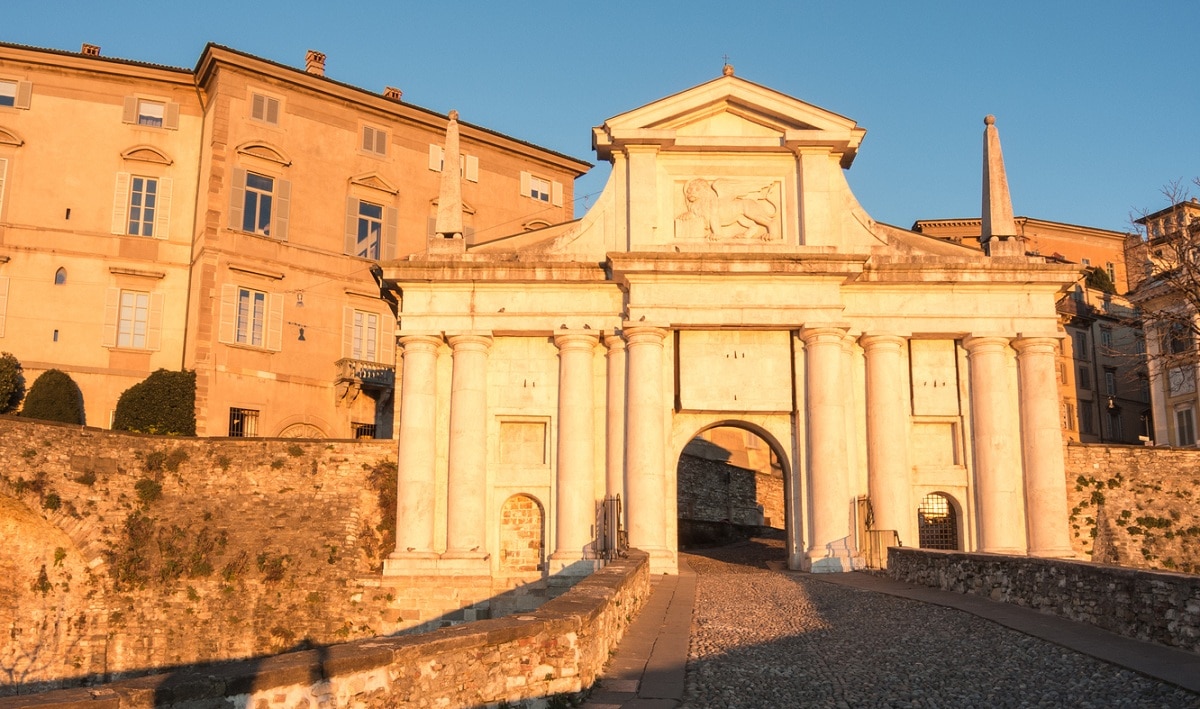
314, 63
393, 93
91, 50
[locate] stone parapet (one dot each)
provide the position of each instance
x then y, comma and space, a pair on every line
1147, 605
557, 650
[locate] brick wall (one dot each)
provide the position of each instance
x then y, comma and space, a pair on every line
543, 658
1157, 606
1135, 506
711, 491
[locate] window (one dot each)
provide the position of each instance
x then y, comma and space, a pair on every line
362, 430
15, 94
937, 523
143, 198
264, 108
1111, 270
1086, 424
243, 422
1083, 378
1115, 428
1139, 345
132, 320
1106, 336
1110, 382
366, 336
1086, 262
374, 140
541, 189
259, 204
150, 113
468, 164
1079, 340
251, 317
1068, 413
370, 230
60, 276
1185, 427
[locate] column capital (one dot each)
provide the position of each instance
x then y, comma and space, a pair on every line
823, 334
427, 343
615, 344
985, 343
644, 335
576, 340
470, 342
881, 341
1036, 344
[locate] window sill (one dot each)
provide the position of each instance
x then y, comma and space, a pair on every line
249, 348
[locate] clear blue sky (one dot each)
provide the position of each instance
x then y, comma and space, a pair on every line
1097, 102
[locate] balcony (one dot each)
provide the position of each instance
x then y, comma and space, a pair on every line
355, 375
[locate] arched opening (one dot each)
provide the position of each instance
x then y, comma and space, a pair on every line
522, 536
60, 276
730, 485
937, 522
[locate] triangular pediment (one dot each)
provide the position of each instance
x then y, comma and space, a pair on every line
375, 181
733, 113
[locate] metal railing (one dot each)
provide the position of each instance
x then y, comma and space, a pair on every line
611, 539
875, 546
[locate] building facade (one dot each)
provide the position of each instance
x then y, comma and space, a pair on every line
230, 219
727, 276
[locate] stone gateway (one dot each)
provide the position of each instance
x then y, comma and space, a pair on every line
727, 276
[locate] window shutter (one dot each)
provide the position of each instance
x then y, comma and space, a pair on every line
435, 158
258, 109
171, 116
283, 207
430, 225
112, 307
237, 199
3, 173
347, 331
390, 216
275, 323
24, 94
556, 194
387, 338
381, 142
472, 171
525, 187
154, 322
120, 216
351, 240
3, 302
162, 214
272, 111
228, 316
130, 113
368, 138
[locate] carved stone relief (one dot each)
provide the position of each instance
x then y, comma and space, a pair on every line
727, 210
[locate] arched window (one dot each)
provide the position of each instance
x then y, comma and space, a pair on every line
60, 276
522, 535
937, 523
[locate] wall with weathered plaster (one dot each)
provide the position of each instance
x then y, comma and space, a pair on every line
1135, 506
1148, 605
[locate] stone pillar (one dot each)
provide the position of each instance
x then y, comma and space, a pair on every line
645, 479
1042, 448
1159, 388
575, 508
888, 483
998, 486
466, 488
614, 459
417, 454
828, 478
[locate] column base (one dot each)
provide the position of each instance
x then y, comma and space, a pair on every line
1060, 553
821, 561
569, 565
663, 561
465, 563
410, 563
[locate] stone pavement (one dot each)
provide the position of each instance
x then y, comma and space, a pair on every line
764, 636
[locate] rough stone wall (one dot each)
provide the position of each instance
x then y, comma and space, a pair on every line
1156, 606
541, 659
712, 491
1135, 506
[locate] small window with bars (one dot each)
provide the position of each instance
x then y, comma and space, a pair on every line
243, 423
363, 430
937, 522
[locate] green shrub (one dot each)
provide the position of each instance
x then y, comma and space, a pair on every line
12, 383
148, 490
54, 396
164, 403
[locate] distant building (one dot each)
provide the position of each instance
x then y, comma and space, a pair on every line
230, 219
1163, 267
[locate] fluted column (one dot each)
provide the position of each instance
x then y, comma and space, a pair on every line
1042, 448
417, 453
614, 459
998, 487
645, 478
575, 511
888, 483
466, 521
828, 483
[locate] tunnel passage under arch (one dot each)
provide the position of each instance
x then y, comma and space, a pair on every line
730, 484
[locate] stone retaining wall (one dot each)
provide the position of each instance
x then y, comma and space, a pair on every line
532, 660
1158, 606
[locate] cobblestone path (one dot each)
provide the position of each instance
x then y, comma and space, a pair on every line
768, 639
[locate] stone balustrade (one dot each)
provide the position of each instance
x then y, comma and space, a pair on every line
1157, 606
559, 649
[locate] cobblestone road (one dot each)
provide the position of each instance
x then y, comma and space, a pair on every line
768, 639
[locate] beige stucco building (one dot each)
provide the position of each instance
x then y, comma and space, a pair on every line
229, 219
726, 276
